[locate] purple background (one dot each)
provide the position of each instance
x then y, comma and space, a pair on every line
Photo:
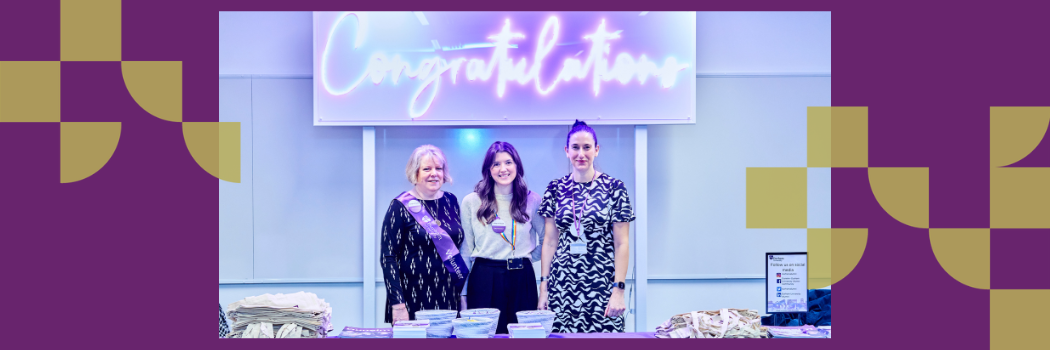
131, 245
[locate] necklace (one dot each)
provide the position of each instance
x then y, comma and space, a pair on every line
436, 220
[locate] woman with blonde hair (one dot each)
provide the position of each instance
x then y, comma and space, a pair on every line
421, 234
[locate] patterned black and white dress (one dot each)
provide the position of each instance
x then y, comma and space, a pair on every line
412, 269
579, 287
224, 329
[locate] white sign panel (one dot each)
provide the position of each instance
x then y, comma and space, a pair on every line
504, 68
786, 283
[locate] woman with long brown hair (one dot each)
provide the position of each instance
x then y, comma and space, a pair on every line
501, 230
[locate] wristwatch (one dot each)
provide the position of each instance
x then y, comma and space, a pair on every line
620, 285
543, 279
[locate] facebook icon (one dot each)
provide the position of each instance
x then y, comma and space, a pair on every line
778, 281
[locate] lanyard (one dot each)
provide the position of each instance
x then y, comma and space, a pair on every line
513, 234
578, 219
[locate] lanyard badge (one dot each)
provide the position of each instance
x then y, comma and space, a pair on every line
500, 227
579, 247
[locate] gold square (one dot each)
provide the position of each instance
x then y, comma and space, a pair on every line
1016, 318
1020, 197
849, 137
30, 91
818, 245
91, 30
818, 137
776, 197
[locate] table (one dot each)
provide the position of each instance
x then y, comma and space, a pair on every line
639, 335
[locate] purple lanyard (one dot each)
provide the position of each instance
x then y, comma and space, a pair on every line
446, 248
572, 195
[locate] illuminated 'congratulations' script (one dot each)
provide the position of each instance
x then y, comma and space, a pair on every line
596, 65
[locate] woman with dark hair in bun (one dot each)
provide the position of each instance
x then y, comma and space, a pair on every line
501, 237
587, 223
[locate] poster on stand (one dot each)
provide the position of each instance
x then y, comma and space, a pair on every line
786, 283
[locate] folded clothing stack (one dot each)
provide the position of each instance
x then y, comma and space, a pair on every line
724, 323
299, 315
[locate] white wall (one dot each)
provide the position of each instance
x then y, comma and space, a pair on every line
296, 215
265, 42
763, 42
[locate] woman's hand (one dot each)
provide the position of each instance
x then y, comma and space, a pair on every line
542, 305
616, 305
400, 312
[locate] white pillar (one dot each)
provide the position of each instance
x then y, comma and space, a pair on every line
641, 211
368, 219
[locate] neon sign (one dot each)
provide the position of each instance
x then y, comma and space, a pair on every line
506, 65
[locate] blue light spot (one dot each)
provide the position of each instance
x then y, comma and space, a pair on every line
470, 139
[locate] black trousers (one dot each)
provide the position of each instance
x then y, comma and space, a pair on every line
492, 285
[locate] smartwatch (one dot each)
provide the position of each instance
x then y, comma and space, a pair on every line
620, 285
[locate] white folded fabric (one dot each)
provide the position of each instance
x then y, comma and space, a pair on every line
293, 315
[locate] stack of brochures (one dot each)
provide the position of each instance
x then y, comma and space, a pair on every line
411, 329
353, 332
799, 332
526, 330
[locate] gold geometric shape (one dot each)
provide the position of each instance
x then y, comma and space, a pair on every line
1015, 132
90, 30
216, 147
1017, 318
156, 86
904, 193
86, 148
818, 247
838, 137
30, 91
818, 137
776, 197
1020, 197
965, 254
833, 253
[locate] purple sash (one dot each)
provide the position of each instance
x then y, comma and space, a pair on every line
446, 248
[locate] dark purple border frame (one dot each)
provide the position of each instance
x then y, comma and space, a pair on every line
135, 237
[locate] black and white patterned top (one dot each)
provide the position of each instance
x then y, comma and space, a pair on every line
579, 287
412, 268
223, 328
